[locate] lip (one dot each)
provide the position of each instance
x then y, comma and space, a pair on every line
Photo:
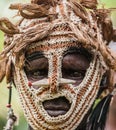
57, 106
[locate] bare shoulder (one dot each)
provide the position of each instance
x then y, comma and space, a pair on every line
111, 117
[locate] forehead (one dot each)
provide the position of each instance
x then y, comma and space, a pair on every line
60, 39
56, 36
57, 48
37, 53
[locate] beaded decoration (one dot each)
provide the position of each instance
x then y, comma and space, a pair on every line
11, 119
54, 26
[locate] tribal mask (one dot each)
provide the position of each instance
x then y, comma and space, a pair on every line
42, 56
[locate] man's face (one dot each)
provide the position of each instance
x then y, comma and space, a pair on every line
56, 77
75, 62
65, 81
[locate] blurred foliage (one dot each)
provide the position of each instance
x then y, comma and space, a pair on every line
3, 89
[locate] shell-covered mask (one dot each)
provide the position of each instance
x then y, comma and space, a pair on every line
56, 57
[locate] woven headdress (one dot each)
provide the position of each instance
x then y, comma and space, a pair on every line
53, 26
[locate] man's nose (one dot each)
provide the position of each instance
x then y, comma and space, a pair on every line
46, 83
54, 84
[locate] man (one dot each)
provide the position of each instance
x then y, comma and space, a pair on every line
111, 117
58, 59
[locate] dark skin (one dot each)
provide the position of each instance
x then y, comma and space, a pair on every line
74, 67
111, 117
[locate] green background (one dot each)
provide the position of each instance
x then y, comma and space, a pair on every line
21, 124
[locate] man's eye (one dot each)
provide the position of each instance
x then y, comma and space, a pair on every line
72, 74
37, 74
76, 74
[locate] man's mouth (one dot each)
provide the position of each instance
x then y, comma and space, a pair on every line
57, 106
